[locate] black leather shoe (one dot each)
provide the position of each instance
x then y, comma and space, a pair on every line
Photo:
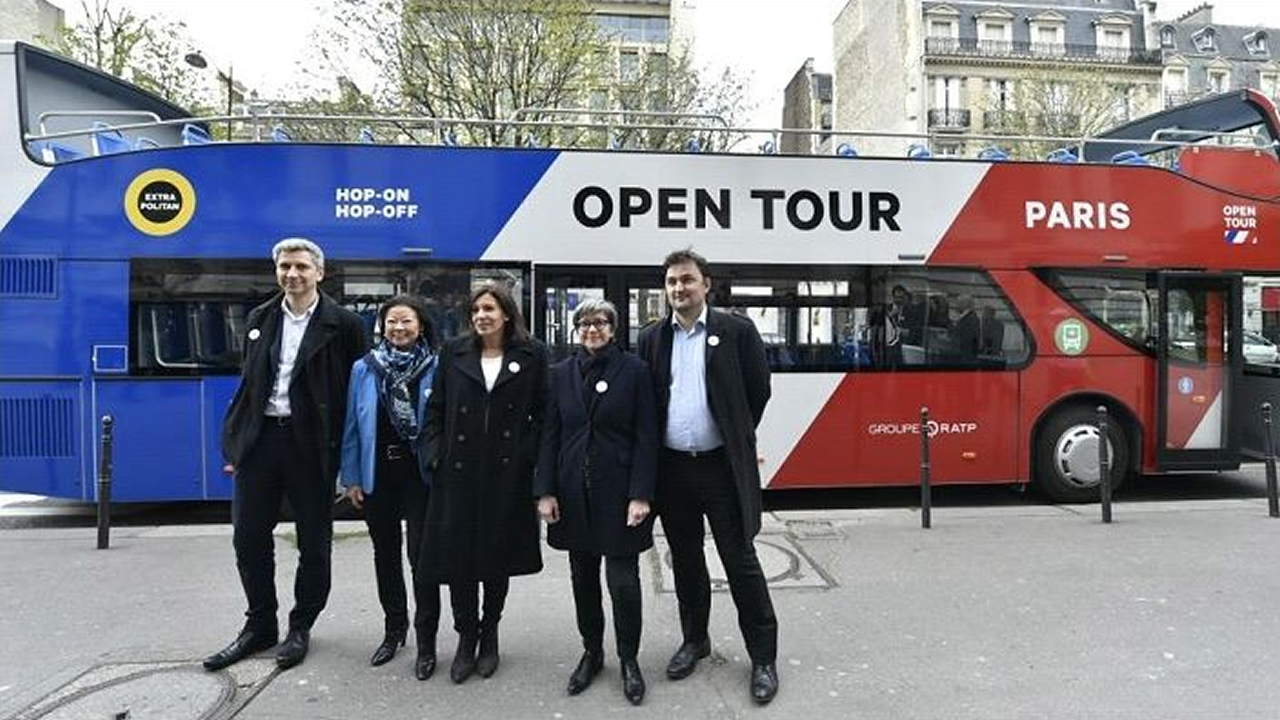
764, 683
393, 640
487, 660
588, 667
685, 661
425, 664
632, 682
464, 659
246, 643
294, 649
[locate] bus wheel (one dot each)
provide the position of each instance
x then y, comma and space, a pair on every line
1066, 455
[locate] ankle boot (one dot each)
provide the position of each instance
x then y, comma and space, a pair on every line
425, 666
487, 662
464, 659
393, 640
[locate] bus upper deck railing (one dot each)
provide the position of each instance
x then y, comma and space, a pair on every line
668, 130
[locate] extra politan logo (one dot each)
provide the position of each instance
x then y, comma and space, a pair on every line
160, 202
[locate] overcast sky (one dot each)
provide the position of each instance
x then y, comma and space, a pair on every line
764, 40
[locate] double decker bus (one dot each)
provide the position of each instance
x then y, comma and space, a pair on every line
1010, 298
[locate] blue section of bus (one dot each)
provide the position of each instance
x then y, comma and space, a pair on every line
56, 336
41, 431
451, 200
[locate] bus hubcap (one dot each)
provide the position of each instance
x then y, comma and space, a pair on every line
1076, 455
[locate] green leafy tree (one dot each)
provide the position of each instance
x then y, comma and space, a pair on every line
145, 50
491, 61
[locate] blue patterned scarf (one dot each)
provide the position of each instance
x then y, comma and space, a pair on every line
397, 370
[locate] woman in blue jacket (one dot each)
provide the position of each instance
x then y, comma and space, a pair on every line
595, 481
384, 472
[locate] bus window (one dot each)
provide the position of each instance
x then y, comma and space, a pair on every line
945, 318
1122, 302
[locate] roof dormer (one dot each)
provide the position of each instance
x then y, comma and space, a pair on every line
1205, 40
1256, 43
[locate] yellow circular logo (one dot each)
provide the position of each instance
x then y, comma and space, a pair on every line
160, 202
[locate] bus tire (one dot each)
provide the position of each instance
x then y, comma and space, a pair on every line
1066, 455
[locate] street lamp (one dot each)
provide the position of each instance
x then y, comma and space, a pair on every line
198, 61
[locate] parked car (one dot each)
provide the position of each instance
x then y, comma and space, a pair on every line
1258, 349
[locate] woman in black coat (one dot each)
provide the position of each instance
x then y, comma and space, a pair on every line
595, 481
483, 431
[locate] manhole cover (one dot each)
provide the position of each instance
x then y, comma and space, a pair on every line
784, 563
154, 691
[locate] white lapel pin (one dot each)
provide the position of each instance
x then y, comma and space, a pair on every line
254, 334
514, 367
714, 340
602, 387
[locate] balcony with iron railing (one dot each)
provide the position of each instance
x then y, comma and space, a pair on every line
948, 119
1021, 49
1003, 120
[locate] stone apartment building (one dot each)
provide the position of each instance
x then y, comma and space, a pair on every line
1203, 57
806, 103
959, 69
30, 20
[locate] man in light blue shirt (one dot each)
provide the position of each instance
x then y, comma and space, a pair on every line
712, 384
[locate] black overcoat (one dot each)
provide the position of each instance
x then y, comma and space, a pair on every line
738, 389
599, 452
482, 520
334, 340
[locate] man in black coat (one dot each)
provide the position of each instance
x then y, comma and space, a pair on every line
281, 438
711, 380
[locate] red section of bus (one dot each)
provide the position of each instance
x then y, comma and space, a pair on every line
868, 432
1249, 172
1025, 215
1193, 387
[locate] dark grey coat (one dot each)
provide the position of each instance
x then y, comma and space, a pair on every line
618, 433
334, 340
482, 521
737, 392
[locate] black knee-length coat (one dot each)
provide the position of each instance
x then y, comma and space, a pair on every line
599, 452
482, 520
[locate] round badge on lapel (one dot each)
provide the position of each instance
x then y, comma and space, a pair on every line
254, 334
714, 340
514, 367
602, 387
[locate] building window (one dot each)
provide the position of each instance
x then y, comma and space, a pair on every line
1269, 83
1046, 38
1219, 80
1256, 43
629, 66
943, 29
631, 29
1166, 37
989, 31
1205, 40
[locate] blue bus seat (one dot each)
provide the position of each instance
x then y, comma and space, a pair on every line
280, 134
106, 140
52, 151
768, 148
846, 150
366, 136
195, 135
993, 153
1129, 157
693, 146
145, 143
448, 137
1062, 155
918, 151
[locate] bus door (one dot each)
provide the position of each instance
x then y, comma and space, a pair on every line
635, 292
1199, 371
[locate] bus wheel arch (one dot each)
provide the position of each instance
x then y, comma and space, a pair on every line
1064, 448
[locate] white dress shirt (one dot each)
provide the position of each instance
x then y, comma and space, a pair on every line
292, 328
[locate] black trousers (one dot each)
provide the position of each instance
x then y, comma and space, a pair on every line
400, 495
274, 469
689, 489
464, 598
622, 576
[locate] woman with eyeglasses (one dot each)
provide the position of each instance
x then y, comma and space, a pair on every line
484, 427
384, 469
595, 482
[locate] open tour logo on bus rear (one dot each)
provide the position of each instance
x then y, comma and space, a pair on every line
160, 202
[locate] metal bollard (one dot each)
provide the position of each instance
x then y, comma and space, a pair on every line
1273, 499
104, 484
926, 491
1104, 464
